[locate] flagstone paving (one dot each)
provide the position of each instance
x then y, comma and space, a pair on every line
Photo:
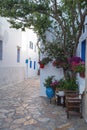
21, 108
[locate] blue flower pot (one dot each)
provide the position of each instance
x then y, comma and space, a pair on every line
50, 92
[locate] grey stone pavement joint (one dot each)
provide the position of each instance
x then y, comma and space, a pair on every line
21, 108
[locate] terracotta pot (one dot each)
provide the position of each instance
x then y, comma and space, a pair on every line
82, 75
41, 66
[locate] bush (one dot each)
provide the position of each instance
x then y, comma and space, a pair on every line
48, 81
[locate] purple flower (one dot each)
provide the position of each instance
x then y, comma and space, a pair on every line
75, 59
55, 83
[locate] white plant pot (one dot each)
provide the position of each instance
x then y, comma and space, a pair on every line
61, 93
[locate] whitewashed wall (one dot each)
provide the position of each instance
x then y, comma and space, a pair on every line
31, 54
11, 39
83, 81
82, 38
49, 70
9, 75
10, 70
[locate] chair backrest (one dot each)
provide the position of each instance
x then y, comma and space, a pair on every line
73, 95
73, 102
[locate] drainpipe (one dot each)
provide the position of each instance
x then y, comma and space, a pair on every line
85, 96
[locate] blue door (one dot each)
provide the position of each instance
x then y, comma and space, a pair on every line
83, 50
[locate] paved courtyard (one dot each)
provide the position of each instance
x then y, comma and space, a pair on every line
21, 108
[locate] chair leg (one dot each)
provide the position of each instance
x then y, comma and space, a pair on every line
67, 113
81, 116
81, 111
50, 100
67, 110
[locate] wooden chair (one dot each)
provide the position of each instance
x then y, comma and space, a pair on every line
73, 101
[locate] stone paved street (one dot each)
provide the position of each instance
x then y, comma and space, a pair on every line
21, 108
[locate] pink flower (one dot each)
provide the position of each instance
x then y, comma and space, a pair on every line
83, 62
78, 67
55, 83
74, 63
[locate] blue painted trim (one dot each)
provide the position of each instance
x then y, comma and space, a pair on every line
26, 61
30, 64
83, 50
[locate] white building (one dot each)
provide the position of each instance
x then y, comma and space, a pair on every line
82, 51
30, 38
14, 50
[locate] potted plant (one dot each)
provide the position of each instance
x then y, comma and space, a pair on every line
79, 68
61, 87
68, 84
44, 61
71, 84
48, 84
60, 94
54, 84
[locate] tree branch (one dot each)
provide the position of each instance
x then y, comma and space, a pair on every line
80, 29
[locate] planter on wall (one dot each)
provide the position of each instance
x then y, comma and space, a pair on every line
82, 75
41, 66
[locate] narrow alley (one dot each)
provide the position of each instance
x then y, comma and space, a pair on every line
21, 108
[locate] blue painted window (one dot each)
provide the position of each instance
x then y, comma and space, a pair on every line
30, 64
1, 49
83, 50
34, 65
18, 54
26, 61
